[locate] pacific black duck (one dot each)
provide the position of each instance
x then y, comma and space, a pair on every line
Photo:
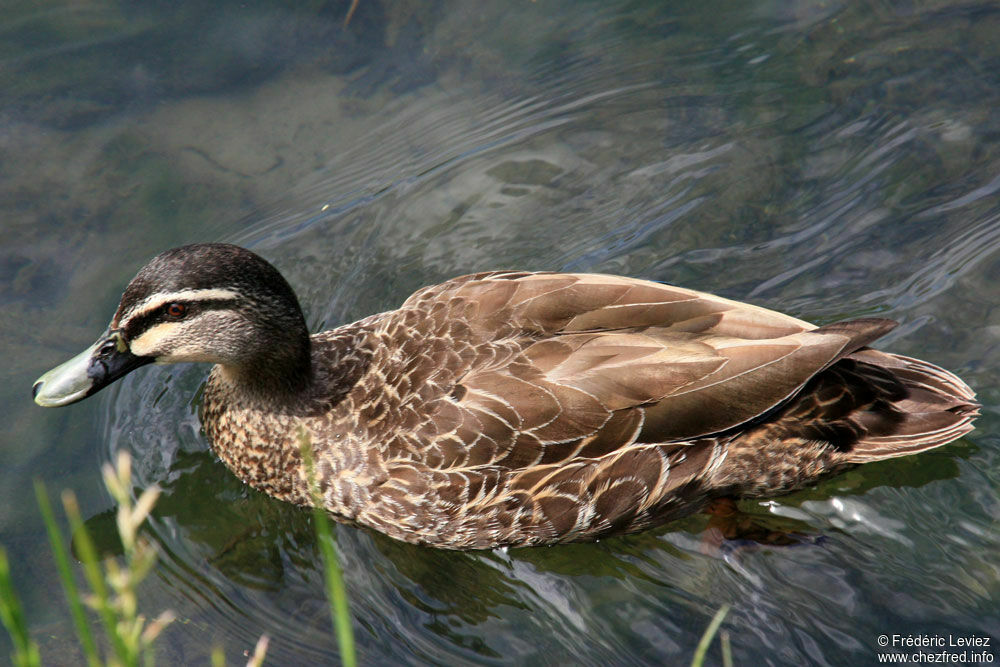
514, 408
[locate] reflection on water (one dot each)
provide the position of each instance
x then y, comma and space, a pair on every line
826, 160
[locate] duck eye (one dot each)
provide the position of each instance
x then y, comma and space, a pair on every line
176, 310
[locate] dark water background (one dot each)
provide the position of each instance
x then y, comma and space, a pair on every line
828, 159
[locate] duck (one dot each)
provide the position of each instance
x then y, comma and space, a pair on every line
515, 408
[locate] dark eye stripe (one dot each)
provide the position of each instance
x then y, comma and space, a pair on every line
136, 326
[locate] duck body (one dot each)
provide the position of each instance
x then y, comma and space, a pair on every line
517, 409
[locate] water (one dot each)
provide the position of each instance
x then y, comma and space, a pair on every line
825, 159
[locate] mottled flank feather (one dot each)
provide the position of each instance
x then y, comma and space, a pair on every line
510, 409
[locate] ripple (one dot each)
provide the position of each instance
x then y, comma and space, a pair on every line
763, 157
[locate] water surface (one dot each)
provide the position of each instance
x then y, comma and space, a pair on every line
825, 159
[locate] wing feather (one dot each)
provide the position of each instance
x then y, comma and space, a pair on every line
594, 363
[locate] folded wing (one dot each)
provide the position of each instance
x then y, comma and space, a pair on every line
605, 362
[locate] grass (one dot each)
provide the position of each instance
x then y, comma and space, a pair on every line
113, 583
66, 576
112, 594
25, 649
336, 592
129, 635
706, 640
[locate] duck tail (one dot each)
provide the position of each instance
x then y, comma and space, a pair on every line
934, 408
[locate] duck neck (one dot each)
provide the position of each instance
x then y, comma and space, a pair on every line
280, 373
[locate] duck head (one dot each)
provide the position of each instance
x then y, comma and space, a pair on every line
212, 302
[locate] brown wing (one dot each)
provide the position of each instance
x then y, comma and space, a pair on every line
549, 303
605, 361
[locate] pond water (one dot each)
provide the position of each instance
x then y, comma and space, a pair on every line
830, 160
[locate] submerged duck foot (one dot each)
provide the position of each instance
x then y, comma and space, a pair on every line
730, 528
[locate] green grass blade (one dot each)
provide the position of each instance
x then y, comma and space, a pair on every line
83, 632
92, 571
336, 591
25, 650
706, 639
259, 652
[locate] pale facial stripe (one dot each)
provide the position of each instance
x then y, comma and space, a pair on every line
158, 300
151, 340
159, 342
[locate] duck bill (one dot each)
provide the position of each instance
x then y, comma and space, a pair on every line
88, 372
